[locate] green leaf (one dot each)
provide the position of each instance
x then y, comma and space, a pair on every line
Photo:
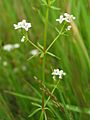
40, 45
31, 57
22, 96
55, 113
34, 112
52, 2
46, 108
41, 116
45, 116
34, 45
36, 104
51, 54
44, 2
77, 109
54, 8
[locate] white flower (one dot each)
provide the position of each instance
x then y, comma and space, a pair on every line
23, 24
23, 39
61, 19
34, 52
68, 27
59, 73
55, 72
66, 17
9, 47
17, 26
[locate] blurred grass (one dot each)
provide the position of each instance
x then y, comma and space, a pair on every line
74, 51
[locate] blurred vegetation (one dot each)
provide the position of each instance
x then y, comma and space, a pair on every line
18, 88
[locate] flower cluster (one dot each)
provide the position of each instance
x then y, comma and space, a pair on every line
23, 24
66, 17
59, 73
9, 47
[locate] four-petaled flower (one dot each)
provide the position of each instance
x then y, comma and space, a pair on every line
23, 24
59, 73
68, 17
61, 19
65, 17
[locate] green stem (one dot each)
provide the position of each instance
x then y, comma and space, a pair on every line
46, 25
44, 58
34, 45
43, 77
56, 37
43, 69
53, 42
52, 92
32, 42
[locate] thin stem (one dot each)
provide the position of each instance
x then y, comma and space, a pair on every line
43, 77
52, 92
53, 42
34, 45
46, 25
32, 42
43, 69
56, 37
44, 58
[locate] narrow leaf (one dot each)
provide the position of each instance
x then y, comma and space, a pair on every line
44, 2
41, 116
45, 116
34, 112
54, 8
40, 45
52, 2
46, 108
51, 54
22, 96
36, 104
31, 57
